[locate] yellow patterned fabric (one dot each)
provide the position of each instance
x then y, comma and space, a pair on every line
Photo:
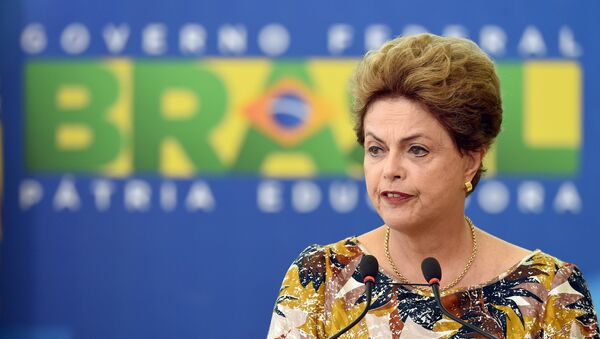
540, 297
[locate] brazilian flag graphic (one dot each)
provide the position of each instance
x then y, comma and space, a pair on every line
260, 117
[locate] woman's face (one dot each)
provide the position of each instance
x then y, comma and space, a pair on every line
414, 172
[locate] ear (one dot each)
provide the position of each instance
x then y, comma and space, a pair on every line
473, 161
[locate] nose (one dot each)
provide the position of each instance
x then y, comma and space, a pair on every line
393, 168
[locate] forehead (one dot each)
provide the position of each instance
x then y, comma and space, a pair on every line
399, 116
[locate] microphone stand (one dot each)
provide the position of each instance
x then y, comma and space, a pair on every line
438, 299
402, 284
369, 291
432, 272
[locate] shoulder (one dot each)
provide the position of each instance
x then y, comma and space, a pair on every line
317, 261
544, 264
568, 303
564, 280
546, 279
308, 286
546, 269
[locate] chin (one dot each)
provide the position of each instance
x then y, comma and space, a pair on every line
398, 222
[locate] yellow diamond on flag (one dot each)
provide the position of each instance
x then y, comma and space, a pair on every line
288, 112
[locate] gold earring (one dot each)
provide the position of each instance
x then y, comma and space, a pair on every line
468, 186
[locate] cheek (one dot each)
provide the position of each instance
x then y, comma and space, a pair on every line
428, 182
371, 178
441, 184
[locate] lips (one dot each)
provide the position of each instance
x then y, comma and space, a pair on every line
395, 196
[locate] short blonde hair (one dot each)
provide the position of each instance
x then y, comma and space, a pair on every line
451, 77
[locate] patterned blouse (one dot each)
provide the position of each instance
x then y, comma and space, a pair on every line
540, 297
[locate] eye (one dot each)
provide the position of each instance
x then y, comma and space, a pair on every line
374, 150
418, 151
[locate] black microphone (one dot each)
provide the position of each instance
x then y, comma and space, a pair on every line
433, 274
368, 268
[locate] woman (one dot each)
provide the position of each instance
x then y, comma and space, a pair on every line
428, 109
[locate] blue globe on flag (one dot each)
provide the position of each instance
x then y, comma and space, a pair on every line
289, 111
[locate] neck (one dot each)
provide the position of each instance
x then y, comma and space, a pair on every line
449, 241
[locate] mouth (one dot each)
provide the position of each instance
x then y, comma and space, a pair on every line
395, 196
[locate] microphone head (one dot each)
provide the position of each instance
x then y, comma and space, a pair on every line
368, 267
431, 270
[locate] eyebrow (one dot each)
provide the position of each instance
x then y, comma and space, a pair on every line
405, 139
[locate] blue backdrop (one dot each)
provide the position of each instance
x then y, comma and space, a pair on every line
202, 254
